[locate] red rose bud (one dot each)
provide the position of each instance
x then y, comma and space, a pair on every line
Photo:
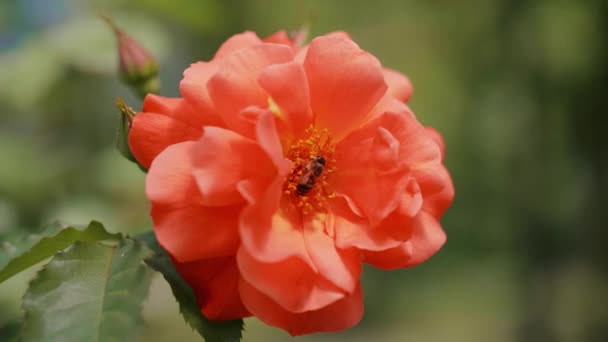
138, 68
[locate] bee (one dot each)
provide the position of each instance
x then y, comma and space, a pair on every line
311, 171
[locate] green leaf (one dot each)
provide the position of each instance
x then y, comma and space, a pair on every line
10, 331
228, 331
15, 242
89, 292
18, 255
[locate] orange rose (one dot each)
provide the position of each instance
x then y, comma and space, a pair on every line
281, 170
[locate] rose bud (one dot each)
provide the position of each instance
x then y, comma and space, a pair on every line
137, 66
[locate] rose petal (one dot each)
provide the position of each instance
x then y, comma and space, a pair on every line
287, 86
340, 315
151, 133
436, 136
197, 232
237, 42
235, 87
276, 239
193, 88
437, 203
399, 225
215, 284
345, 84
268, 139
279, 37
222, 159
301, 54
427, 238
185, 228
389, 104
340, 266
432, 177
354, 231
369, 165
291, 283
399, 86
163, 122
176, 108
270, 227
169, 182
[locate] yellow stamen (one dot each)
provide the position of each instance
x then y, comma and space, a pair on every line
302, 153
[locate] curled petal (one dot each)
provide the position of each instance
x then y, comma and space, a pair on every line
193, 88
215, 285
237, 42
419, 153
373, 153
352, 230
288, 88
273, 230
426, 239
235, 87
436, 136
222, 159
389, 104
340, 315
151, 133
169, 181
417, 148
301, 54
280, 248
399, 86
377, 196
438, 202
183, 226
270, 228
345, 84
399, 225
197, 232
355, 231
174, 107
410, 201
290, 283
340, 266
266, 134
432, 178
164, 122
280, 37
385, 147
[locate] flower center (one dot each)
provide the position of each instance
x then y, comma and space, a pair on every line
313, 162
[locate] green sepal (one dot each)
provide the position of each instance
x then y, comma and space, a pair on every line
127, 114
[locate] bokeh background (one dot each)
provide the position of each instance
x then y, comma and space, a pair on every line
518, 89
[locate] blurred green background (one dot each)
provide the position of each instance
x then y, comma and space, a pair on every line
517, 88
